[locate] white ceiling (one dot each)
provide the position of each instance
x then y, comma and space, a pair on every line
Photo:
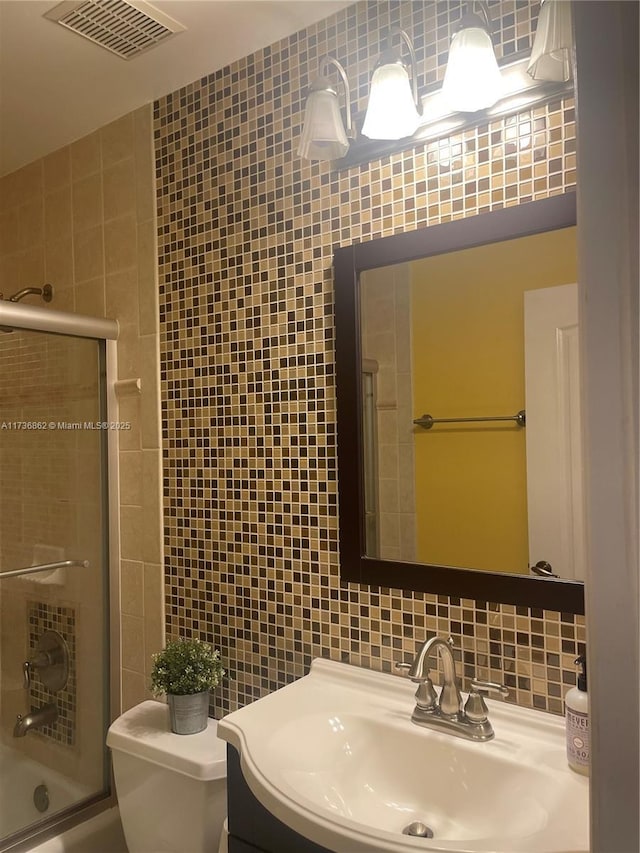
56, 86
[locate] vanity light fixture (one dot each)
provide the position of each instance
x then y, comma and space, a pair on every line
394, 108
552, 45
324, 136
472, 80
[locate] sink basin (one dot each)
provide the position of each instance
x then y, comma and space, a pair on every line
336, 757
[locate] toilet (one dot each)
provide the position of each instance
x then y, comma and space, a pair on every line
172, 789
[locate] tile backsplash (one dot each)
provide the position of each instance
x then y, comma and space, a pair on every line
246, 234
45, 617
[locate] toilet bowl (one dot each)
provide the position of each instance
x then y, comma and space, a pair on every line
172, 789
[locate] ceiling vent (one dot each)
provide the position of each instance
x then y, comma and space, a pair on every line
124, 28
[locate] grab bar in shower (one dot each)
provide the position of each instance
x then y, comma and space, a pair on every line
45, 567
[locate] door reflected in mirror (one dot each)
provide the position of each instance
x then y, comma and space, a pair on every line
472, 338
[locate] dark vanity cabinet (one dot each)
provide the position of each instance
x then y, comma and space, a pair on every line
252, 829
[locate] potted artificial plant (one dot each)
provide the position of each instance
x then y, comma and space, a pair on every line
186, 670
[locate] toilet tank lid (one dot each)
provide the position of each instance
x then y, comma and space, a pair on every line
144, 731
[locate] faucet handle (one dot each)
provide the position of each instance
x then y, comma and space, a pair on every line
426, 696
475, 707
478, 686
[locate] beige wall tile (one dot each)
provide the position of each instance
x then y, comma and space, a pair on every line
119, 189
131, 478
9, 240
132, 588
9, 192
86, 157
148, 310
117, 140
145, 165
129, 412
388, 463
57, 215
154, 611
120, 236
388, 497
9, 273
130, 530
32, 268
57, 169
151, 502
30, 181
147, 278
150, 392
90, 297
88, 254
133, 689
129, 366
133, 652
64, 300
87, 202
148, 250
143, 139
122, 297
59, 265
31, 224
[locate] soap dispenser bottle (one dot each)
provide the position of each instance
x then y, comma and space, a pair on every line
577, 717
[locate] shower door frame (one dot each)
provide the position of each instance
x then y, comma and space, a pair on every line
33, 318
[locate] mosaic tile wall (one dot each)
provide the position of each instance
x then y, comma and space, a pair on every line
46, 617
246, 233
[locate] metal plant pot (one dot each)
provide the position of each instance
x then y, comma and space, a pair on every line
188, 714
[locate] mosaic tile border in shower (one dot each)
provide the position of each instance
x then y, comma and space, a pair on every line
42, 617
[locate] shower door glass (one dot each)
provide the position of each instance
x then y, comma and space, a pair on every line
53, 504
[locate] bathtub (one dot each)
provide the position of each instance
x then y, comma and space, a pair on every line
19, 777
99, 834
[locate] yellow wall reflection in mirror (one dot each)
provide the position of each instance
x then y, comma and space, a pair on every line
468, 361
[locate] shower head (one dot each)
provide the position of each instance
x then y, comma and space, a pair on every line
46, 292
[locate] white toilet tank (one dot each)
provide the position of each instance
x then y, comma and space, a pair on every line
172, 789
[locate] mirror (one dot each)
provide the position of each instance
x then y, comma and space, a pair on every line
430, 328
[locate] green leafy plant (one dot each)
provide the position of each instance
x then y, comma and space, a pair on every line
186, 666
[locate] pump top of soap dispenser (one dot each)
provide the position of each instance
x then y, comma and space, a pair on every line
581, 661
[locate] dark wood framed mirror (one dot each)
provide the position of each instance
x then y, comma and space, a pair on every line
359, 562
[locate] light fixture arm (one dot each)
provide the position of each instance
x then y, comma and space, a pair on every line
321, 84
394, 54
483, 6
473, 18
414, 76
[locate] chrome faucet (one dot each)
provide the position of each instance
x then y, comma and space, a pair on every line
448, 712
45, 716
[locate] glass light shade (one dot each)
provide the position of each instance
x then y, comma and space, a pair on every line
472, 80
391, 111
551, 52
323, 134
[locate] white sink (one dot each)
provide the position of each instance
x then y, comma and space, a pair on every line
336, 757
